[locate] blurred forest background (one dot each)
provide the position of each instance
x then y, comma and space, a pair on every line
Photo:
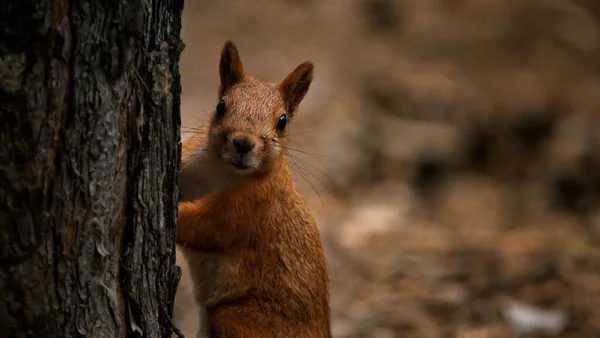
449, 149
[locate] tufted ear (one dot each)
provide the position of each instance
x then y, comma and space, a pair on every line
230, 68
295, 86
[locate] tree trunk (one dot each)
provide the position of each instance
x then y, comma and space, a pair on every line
89, 155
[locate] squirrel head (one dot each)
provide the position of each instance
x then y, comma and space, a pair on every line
249, 126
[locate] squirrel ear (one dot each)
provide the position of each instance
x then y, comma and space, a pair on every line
230, 68
295, 86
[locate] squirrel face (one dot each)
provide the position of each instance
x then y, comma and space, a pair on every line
246, 130
249, 125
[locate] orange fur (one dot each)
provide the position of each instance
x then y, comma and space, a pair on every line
252, 245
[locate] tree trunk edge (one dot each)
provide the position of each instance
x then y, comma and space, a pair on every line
158, 71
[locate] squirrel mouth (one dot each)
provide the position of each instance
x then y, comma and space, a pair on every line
240, 165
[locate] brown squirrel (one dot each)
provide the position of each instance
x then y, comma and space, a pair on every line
252, 245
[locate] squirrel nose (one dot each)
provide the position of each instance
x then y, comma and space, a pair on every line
243, 145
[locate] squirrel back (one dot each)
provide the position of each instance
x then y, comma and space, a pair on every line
253, 247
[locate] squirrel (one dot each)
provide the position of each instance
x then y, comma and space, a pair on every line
252, 245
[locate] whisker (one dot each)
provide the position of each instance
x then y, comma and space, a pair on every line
195, 126
195, 129
312, 154
329, 179
304, 132
302, 173
306, 163
189, 132
192, 132
206, 114
202, 129
300, 170
296, 143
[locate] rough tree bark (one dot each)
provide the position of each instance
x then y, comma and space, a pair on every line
89, 155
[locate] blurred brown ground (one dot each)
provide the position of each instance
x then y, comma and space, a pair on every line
449, 149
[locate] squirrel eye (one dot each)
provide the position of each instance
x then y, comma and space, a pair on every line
221, 108
282, 122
